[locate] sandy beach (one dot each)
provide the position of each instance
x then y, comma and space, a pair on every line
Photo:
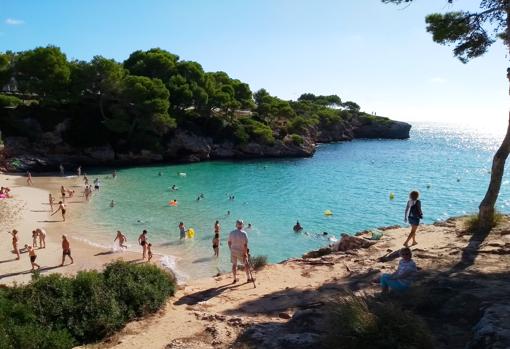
29, 209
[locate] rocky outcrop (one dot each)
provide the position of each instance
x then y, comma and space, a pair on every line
387, 130
50, 150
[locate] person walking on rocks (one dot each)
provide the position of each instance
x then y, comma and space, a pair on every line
413, 214
238, 245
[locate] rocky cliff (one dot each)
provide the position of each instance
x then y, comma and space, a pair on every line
46, 150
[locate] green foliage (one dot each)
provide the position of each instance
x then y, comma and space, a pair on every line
56, 311
472, 33
297, 139
139, 289
19, 328
258, 262
43, 71
9, 101
137, 104
472, 224
257, 130
143, 107
358, 322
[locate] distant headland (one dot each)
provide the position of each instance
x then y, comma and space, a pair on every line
154, 108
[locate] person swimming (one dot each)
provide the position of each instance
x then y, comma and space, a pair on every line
297, 228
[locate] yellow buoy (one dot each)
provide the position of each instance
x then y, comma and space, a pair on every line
191, 233
328, 213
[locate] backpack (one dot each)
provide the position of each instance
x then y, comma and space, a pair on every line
415, 210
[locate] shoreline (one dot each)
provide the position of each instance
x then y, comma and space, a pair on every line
28, 210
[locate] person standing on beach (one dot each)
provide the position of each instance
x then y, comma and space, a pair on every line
61, 168
413, 214
66, 250
85, 179
217, 227
29, 178
122, 238
96, 184
61, 208
142, 240
14, 234
35, 235
42, 237
33, 256
114, 174
78, 171
182, 231
50, 198
238, 244
63, 193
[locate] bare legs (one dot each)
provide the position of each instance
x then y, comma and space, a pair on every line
412, 236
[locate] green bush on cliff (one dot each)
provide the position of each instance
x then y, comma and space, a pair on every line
9, 101
63, 311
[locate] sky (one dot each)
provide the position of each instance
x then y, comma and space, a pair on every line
375, 54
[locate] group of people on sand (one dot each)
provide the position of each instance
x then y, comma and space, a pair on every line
39, 241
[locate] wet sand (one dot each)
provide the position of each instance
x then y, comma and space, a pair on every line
29, 209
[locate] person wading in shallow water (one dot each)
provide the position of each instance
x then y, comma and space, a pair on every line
238, 244
142, 240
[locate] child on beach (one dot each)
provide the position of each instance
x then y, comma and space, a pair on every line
35, 235
51, 200
66, 250
401, 279
149, 252
15, 249
413, 214
42, 237
216, 244
182, 231
61, 208
33, 256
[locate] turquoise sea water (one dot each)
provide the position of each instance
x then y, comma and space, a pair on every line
448, 165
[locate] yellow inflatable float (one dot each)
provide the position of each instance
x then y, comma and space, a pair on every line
190, 234
328, 213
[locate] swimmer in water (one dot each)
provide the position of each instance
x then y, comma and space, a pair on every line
228, 213
160, 174
182, 231
297, 228
249, 226
112, 204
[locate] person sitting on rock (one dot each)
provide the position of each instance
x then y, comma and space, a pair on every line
401, 279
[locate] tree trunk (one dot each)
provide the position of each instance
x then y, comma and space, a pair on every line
487, 206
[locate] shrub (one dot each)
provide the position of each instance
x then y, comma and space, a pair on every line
9, 101
359, 322
297, 139
258, 262
472, 222
258, 131
139, 289
57, 312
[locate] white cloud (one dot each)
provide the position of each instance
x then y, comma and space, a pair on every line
437, 80
13, 21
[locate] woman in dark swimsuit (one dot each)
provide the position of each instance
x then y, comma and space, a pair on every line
142, 240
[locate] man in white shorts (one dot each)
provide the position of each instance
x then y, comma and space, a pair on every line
238, 244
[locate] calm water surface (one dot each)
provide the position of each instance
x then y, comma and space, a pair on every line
448, 165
